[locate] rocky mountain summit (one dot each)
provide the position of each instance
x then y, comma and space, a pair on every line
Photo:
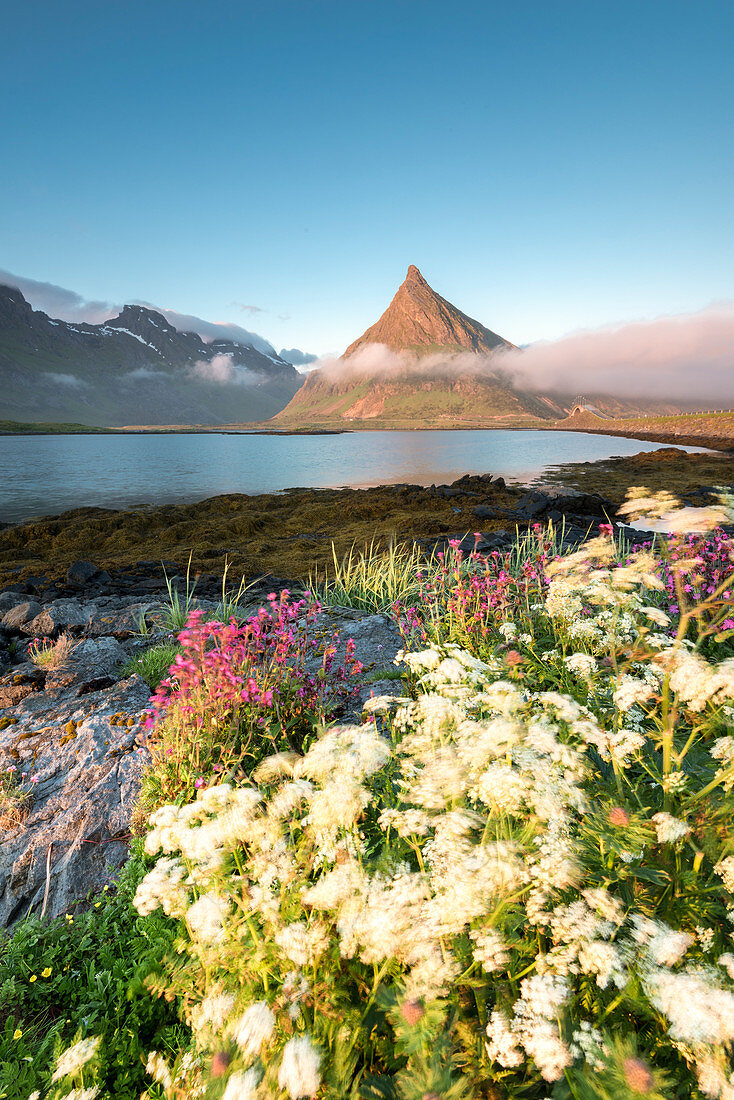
421, 321
135, 368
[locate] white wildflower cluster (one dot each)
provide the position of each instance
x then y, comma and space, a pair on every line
482, 811
242, 1085
581, 664
254, 1028
624, 744
725, 870
158, 1069
75, 1057
698, 1008
723, 750
490, 950
696, 682
669, 829
535, 1023
630, 691
299, 1069
641, 504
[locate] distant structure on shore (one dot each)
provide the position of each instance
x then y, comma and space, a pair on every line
583, 411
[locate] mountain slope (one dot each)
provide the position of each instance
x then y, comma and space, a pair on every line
134, 368
423, 364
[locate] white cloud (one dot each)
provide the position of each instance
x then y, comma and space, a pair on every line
214, 330
69, 380
221, 370
297, 357
687, 357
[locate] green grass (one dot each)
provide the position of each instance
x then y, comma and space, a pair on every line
371, 580
153, 664
19, 427
174, 612
71, 978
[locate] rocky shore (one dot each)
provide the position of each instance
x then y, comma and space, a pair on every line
75, 731
289, 534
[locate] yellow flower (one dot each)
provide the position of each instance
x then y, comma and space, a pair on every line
97, 904
17, 1034
46, 972
33, 978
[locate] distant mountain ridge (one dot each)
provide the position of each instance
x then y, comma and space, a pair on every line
135, 368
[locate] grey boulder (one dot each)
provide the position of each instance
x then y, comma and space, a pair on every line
77, 830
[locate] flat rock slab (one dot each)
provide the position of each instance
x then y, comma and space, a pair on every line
119, 623
376, 641
89, 765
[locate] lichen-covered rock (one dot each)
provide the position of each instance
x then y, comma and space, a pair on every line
22, 613
94, 662
88, 764
120, 622
376, 641
59, 616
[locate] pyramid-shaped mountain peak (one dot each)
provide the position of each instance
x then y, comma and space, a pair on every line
414, 276
419, 321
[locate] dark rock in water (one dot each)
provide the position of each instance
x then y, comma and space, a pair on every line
88, 766
474, 481
20, 615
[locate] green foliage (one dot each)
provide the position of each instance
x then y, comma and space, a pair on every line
522, 894
153, 664
82, 975
517, 887
18, 427
371, 579
173, 615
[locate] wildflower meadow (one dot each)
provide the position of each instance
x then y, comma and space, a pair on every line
513, 879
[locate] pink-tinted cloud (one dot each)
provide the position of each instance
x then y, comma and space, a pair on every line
685, 358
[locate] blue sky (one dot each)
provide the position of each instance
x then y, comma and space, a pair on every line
548, 165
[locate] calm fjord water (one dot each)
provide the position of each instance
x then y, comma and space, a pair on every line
45, 475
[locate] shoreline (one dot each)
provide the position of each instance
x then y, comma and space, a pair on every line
711, 441
291, 533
